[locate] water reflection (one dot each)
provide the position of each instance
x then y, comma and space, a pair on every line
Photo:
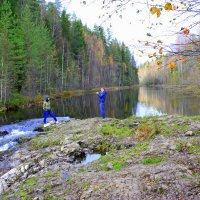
119, 104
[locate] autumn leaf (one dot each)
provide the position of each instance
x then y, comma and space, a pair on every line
153, 10
146, 43
168, 6
159, 62
150, 56
159, 41
172, 65
160, 50
198, 59
178, 57
154, 54
158, 13
154, 47
184, 60
186, 31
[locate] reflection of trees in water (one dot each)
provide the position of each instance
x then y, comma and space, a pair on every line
169, 102
118, 104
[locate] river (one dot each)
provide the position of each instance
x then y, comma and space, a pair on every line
119, 104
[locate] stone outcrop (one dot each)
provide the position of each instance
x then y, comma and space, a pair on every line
162, 164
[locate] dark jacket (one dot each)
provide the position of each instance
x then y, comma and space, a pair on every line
102, 97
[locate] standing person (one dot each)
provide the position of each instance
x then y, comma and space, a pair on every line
102, 98
47, 110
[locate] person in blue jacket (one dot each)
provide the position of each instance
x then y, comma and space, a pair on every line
102, 98
47, 110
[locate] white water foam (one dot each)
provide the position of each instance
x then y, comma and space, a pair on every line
20, 130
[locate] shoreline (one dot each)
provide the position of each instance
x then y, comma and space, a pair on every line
26, 102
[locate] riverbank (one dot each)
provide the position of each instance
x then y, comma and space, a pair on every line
141, 158
183, 88
18, 101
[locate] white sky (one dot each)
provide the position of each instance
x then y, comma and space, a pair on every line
131, 27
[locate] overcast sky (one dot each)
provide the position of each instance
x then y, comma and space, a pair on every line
128, 26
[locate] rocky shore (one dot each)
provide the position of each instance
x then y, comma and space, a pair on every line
141, 158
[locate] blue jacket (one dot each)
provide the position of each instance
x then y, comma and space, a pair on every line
102, 97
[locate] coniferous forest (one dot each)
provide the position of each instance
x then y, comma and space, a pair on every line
43, 50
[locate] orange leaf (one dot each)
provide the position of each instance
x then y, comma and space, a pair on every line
159, 41
198, 59
153, 10
186, 31
168, 6
184, 60
172, 65
158, 13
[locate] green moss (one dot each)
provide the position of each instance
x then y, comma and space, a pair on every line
165, 130
117, 167
194, 149
181, 145
118, 159
22, 194
103, 146
43, 143
85, 185
113, 130
196, 174
183, 127
31, 181
49, 173
152, 160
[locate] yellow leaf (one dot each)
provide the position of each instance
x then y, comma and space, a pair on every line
184, 60
154, 54
153, 10
172, 65
178, 57
168, 6
159, 62
158, 13
159, 41
160, 50
154, 47
150, 56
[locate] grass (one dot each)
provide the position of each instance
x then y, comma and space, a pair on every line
145, 131
194, 149
38, 144
152, 160
108, 129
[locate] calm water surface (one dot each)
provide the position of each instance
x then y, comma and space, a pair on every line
119, 104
